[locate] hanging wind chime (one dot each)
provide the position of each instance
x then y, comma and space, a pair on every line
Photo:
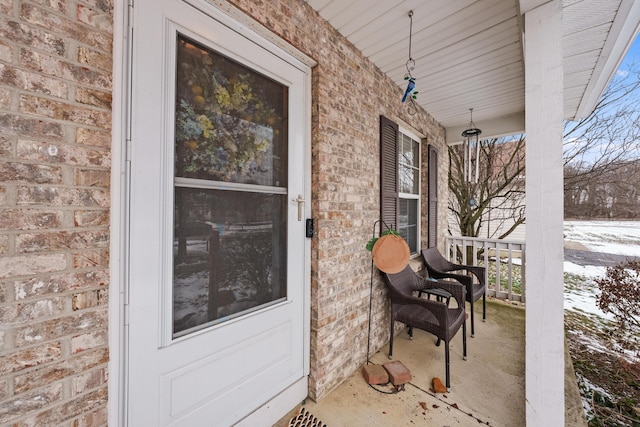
471, 148
411, 92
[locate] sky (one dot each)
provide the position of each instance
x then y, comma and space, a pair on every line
632, 54
599, 142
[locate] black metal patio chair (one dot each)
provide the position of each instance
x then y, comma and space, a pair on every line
428, 315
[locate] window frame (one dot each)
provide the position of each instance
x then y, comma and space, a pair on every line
415, 138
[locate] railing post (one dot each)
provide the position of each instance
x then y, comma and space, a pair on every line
522, 272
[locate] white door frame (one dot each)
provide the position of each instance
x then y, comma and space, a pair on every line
245, 25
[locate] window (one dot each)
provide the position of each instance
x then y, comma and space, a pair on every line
409, 194
400, 181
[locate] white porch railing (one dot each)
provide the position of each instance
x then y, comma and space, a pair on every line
504, 261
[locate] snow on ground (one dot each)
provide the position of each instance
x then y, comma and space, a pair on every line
581, 295
584, 270
611, 237
580, 290
615, 237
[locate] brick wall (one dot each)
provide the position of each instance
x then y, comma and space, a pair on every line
349, 95
55, 118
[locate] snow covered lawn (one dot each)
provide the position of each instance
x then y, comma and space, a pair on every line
612, 237
605, 358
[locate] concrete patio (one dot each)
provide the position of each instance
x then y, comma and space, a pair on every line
486, 389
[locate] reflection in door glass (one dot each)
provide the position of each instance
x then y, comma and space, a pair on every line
231, 122
230, 228
226, 251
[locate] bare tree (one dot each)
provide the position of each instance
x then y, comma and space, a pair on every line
598, 145
497, 198
601, 173
611, 193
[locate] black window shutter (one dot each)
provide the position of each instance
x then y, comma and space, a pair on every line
432, 198
389, 201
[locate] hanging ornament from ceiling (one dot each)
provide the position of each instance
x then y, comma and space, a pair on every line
471, 148
410, 94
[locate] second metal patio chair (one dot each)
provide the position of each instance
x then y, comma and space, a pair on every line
439, 268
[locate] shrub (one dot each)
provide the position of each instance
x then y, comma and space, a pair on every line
620, 293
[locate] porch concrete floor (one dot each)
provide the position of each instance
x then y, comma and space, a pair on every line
486, 389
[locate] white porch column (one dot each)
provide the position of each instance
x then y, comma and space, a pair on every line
544, 201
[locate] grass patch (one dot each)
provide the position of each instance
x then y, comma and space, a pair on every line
516, 277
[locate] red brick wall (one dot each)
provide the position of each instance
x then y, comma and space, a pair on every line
55, 119
349, 95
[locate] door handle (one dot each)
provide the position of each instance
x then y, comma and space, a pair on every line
300, 202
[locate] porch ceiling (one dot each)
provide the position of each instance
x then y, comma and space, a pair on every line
469, 53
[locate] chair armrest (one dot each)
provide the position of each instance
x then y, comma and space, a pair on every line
476, 270
462, 278
437, 292
456, 289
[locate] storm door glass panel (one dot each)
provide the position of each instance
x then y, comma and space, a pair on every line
230, 223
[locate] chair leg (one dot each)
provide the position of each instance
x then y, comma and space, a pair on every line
464, 340
484, 307
472, 323
446, 361
391, 338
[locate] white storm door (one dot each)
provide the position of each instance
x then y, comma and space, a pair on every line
216, 265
